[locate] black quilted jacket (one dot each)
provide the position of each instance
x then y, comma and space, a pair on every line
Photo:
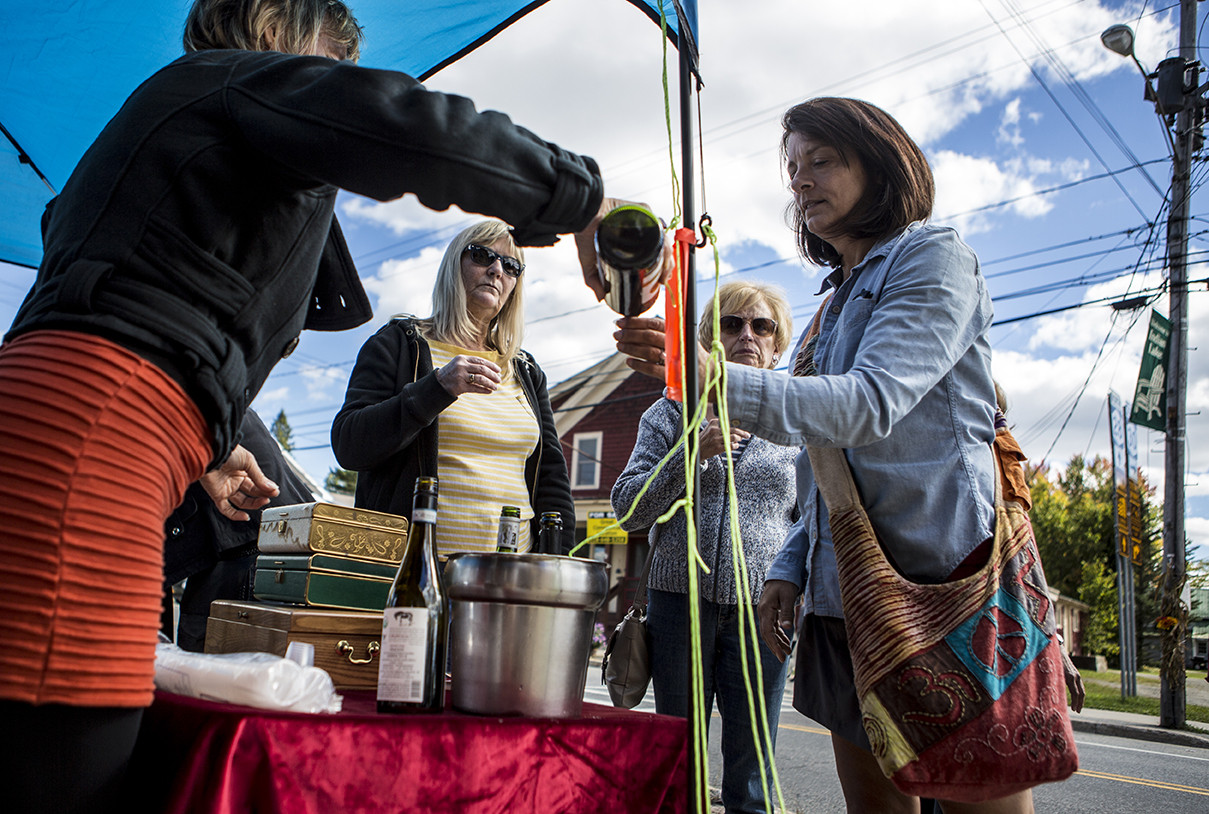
198, 230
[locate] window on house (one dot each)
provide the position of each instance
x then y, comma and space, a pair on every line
585, 460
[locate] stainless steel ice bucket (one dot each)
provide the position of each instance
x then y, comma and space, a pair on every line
520, 631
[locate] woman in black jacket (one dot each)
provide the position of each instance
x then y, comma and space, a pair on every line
190, 247
455, 395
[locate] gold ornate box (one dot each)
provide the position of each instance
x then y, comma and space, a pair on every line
328, 528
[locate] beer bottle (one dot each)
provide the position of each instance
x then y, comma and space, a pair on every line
411, 663
507, 540
550, 534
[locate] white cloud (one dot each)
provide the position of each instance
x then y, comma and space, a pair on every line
405, 286
277, 394
1196, 529
965, 183
1009, 124
402, 216
323, 382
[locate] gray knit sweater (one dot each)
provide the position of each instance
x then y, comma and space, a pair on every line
764, 478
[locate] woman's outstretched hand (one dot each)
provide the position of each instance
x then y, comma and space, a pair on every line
642, 338
585, 247
238, 486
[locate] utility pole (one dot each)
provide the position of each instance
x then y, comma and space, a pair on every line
1172, 696
1180, 102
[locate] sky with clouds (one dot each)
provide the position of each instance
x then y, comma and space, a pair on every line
1046, 158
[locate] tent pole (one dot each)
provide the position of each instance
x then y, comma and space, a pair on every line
691, 384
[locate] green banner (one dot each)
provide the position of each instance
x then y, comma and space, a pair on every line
1150, 396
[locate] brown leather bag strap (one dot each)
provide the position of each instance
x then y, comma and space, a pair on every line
803, 364
833, 477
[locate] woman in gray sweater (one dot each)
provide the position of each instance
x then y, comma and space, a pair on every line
755, 328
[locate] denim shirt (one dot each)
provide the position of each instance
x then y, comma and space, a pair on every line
904, 387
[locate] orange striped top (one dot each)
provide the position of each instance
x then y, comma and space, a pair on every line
97, 446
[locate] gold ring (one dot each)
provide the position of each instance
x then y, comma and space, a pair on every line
470, 378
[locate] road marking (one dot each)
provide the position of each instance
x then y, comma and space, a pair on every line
1140, 781
814, 730
1143, 751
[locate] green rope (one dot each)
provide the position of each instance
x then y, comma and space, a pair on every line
689, 441
748, 632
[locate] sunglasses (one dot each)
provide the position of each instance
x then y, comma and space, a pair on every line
482, 256
760, 326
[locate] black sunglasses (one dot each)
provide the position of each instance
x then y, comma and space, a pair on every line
760, 326
482, 256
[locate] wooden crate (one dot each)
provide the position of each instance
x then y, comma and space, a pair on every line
346, 642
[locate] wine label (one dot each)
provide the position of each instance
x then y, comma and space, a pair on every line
403, 658
424, 516
508, 539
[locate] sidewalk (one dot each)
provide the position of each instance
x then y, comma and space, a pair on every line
1139, 727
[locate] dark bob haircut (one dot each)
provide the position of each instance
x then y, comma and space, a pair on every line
899, 188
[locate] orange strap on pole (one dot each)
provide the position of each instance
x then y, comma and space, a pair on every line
674, 331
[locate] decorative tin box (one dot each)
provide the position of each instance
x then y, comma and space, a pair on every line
307, 528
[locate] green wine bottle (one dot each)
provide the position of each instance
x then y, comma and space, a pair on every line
629, 253
415, 623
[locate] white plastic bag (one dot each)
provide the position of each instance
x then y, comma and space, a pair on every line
253, 679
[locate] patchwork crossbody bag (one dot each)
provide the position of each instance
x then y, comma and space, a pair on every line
961, 684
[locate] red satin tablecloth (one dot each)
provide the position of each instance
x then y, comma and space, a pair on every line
200, 756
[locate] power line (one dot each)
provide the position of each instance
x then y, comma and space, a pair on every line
1076, 88
1065, 113
1101, 176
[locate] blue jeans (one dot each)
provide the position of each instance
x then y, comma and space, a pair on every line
722, 667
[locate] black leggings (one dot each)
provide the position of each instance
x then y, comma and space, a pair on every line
64, 759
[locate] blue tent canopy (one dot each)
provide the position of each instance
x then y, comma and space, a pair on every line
67, 66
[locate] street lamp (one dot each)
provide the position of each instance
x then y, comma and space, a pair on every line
1176, 90
1181, 104
1119, 40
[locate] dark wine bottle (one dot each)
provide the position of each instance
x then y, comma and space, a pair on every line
411, 662
507, 540
550, 533
629, 253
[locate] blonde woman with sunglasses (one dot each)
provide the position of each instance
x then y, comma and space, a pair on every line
755, 331
455, 395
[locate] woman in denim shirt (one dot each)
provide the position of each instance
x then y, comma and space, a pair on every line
903, 385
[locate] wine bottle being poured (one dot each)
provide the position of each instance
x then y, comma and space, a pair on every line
629, 252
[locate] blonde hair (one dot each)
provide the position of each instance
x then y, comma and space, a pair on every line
737, 295
450, 321
288, 26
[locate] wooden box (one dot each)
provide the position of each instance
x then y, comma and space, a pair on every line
346, 642
324, 581
307, 528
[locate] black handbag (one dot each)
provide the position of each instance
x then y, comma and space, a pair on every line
626, 668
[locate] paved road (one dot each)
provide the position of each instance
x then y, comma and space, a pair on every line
1117, 774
